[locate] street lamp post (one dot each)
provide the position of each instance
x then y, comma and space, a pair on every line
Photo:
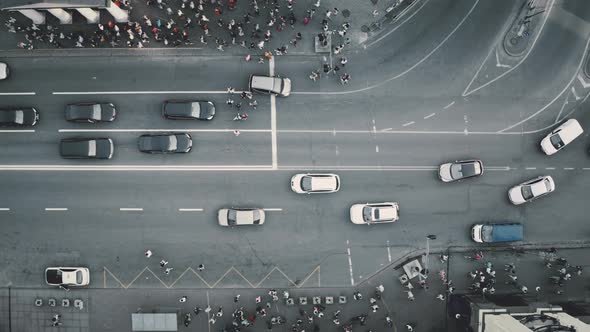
428, 238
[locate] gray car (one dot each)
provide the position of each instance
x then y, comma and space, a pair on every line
188, 110
165, 143
91, 112
459, 170
19, 117
87, 148
240, 216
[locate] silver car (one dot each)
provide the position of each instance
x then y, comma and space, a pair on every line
374, 213
315, 183
240, 216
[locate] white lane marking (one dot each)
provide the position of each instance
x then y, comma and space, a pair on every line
139, 92
17, 131
586, 168
208, 312
321, 131
556, 97
133, 168
273, 118
575, 93
530, 168
17, 93
377, 148
408, 123
162, 130
467, 92
56, 209
130, 209
449, 105
349, 263
562, 108
4, 209
550, 168
498, 64
388, 252
429, 116
397, 27
273, 209
426, 57
386, 129
190, 210
585, 84
568, 168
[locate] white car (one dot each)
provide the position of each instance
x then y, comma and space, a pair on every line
315, 183
374, 213
67, 276
240, 216
531, 190
459, 170
561, 136
4, 71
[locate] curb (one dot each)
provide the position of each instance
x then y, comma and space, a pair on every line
513, 30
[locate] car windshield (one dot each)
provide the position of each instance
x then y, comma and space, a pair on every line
547, 184
231, 217
195, 110
486, 233
527, 192
556, 142
92, 148
306, 183
456, 171
95, 112
78, 277
19, 117
173, 143
367, 215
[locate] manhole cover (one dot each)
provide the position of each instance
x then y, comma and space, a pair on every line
365, 28
346, 13
513, 41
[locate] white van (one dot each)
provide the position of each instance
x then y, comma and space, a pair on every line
3, 71
270, 84
561, 136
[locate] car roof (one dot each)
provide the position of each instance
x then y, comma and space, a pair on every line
386, 212
570, 130
264, 82
323, 182
539, 188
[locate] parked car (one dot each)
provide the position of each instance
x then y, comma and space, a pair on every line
87, 148
240, 216
531, 190
497, 232
270, 85
374, 213
4, 71
188, 110
165, 143
19, 117
91, 112
561, 136
315, 183
67, 276
459, 170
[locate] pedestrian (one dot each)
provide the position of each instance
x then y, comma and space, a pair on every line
208, 309
163, 263
457, 316
579, 270
183, 299
168, 269
524, 289
236, 298
148, 253
201, 267
538, 289
357, 295
220, 312
197, 310
440, 297
410, 295
248, 58
410, 327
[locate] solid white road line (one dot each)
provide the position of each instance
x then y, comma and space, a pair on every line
273, 118
139, 92
388, 252
162, 130
17, 93
18, 131
130, 209
190, 210
4, 209
349, 263
56, 209
273, 209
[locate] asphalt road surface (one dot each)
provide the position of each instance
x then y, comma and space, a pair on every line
420, 96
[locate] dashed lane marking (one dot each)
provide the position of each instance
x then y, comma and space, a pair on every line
429, 116
530, 168
568, 168
388, 252
56, 209
17, 93
130, 209
408, 123
550, 168
273, 209
17, 131
449, 105
586, 168
349, 263
190, 210
4, 209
